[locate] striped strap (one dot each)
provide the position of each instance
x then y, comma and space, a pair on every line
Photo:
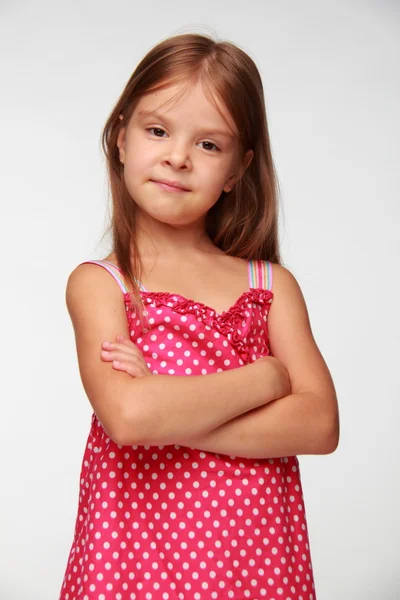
260, 274
114, 271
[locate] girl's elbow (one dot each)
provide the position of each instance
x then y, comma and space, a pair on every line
328, 427
131, 423
130, 431
330, 439
128, 436
329, 445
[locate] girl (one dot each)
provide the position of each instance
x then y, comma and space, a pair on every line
203, 388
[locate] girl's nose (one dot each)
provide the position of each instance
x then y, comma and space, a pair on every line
178, 157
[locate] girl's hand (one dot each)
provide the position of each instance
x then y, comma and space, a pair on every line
281, 378
125, 356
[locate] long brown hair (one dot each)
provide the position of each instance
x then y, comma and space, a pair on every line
244, 221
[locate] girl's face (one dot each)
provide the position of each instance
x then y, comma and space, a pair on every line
187, 142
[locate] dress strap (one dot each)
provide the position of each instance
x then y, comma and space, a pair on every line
113, 270
260, 274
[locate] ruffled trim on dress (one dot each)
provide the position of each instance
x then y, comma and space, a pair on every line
228, 323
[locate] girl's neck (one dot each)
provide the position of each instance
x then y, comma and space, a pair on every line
173, 244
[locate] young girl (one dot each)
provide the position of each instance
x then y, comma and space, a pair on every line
197, 354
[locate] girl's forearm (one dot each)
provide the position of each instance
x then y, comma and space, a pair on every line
291, 425
162, 409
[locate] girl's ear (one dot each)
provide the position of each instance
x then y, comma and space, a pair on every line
121, 142
233, 179
248, 158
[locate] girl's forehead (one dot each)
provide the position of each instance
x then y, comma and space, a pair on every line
170, 95
179, 98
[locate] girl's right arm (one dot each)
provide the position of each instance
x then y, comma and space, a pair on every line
170, 408
156, 409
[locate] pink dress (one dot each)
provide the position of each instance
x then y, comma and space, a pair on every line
174, 522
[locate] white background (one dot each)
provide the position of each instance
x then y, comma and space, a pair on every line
331, 78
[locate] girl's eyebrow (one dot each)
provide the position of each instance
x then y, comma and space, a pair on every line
157, 115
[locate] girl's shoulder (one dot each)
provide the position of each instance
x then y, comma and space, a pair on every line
88, 274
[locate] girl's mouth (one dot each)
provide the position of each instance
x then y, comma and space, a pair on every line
170, 188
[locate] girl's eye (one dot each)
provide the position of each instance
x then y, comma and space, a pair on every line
212, 144
155, 129
216, 149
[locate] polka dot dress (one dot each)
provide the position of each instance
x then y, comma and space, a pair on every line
174, 522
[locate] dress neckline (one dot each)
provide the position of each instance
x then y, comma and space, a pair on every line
174, 299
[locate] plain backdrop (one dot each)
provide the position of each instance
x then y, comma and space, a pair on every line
331, 80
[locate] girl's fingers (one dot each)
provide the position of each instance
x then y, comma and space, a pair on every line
120, 355
126, 341
131, 369
125, 366
125, 356
128, 348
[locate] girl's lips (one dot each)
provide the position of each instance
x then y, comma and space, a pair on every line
169, 188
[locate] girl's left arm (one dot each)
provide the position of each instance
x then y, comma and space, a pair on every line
306, 421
